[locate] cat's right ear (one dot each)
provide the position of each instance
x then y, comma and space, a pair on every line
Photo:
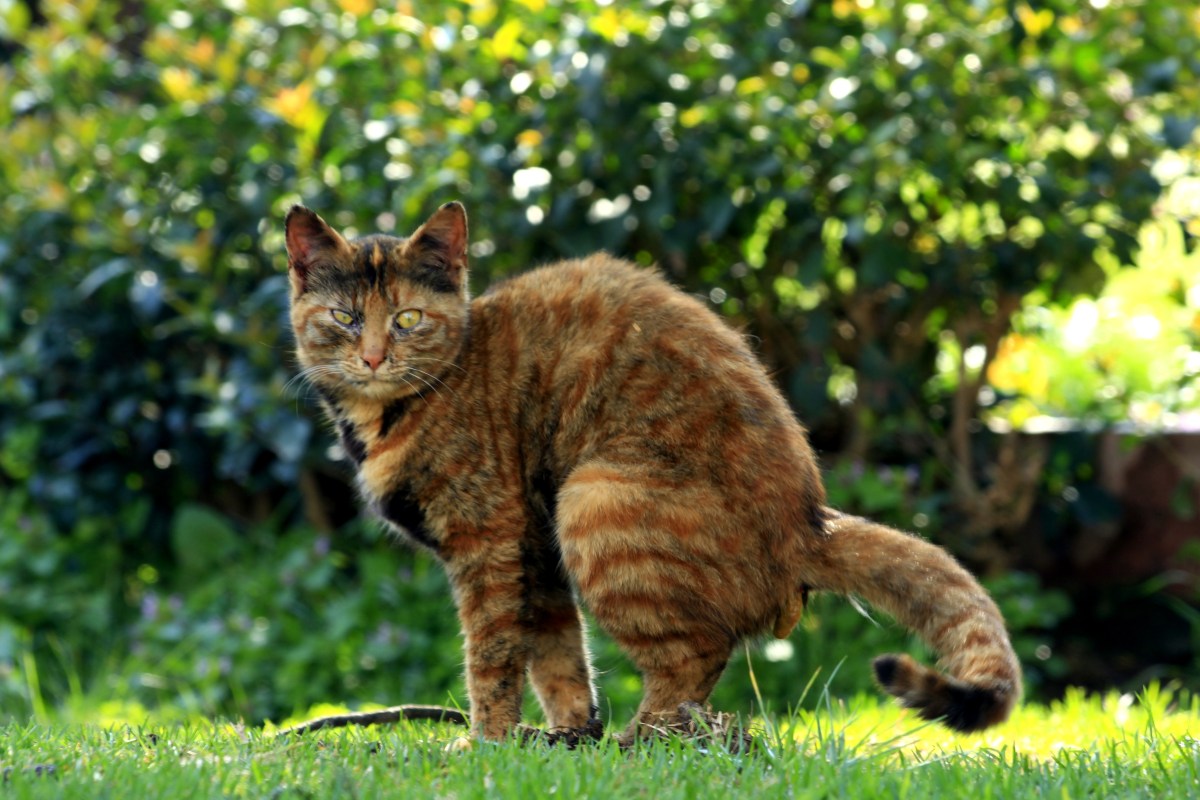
310, 241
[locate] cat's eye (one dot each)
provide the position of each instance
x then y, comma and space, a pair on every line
342, 317
408, 318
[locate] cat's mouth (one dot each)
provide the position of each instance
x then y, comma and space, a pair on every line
371, 381
383, 386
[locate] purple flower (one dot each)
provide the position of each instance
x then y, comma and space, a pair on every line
149, 607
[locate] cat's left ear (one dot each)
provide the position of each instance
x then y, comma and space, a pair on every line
441, 244
311, 243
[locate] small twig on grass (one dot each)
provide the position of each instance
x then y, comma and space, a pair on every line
384, 716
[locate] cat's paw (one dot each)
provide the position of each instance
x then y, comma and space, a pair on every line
591, 731
690, 721
571, 738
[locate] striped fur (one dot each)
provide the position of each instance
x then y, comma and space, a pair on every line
586, 432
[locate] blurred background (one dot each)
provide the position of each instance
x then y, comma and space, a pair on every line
962, 235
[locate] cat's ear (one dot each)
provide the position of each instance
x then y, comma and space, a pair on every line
310, 241
441, 245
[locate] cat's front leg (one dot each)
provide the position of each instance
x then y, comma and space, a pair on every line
486, 575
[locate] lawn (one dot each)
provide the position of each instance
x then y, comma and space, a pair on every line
1111, 746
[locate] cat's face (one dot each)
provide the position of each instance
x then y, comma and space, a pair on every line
381, 317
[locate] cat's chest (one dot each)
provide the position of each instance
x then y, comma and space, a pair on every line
391, 455
390, 477
424, 471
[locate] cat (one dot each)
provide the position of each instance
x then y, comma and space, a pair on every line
587, 433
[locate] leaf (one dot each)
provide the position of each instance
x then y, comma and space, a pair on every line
504, 43
754, 249
203, 541
1183, 499
286, 433
102, 275
14, 21
1086, 60
828, 58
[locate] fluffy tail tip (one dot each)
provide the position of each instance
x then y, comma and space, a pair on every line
959, 705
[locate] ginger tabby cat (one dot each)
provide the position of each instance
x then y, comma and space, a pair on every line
586, 433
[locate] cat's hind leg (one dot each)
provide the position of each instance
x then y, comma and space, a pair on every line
654, 581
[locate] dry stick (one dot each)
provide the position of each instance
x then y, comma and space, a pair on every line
383, 717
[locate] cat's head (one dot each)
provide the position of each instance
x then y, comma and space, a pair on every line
379, 316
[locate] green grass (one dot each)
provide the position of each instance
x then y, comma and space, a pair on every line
1112, 746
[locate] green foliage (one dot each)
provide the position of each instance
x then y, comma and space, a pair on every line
1129, 354
262, 625
59, 595
852, 182
903, 497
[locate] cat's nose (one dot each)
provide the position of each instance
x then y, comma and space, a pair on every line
373, 359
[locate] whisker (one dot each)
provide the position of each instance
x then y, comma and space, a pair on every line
308, 373
421, 372
427, 383
413, 386
458, 367
418, 373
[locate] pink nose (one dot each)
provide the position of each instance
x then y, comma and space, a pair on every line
373, 359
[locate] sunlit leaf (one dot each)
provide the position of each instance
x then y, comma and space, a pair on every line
359, 8
504, 43
1034, 22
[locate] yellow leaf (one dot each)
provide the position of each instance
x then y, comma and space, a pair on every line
359, 8
751, 85
1020, 367
924, 243
177, 83
504, 43
529, 138
1034, 22
55, 195
228, 67
482, 12
1071, 25
406, 108
693, 116
607, 24
295, 106
203, 52
1020, 411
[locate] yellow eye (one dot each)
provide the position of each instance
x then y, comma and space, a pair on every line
407, 319
343, 317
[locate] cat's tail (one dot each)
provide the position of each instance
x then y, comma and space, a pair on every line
926, 590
